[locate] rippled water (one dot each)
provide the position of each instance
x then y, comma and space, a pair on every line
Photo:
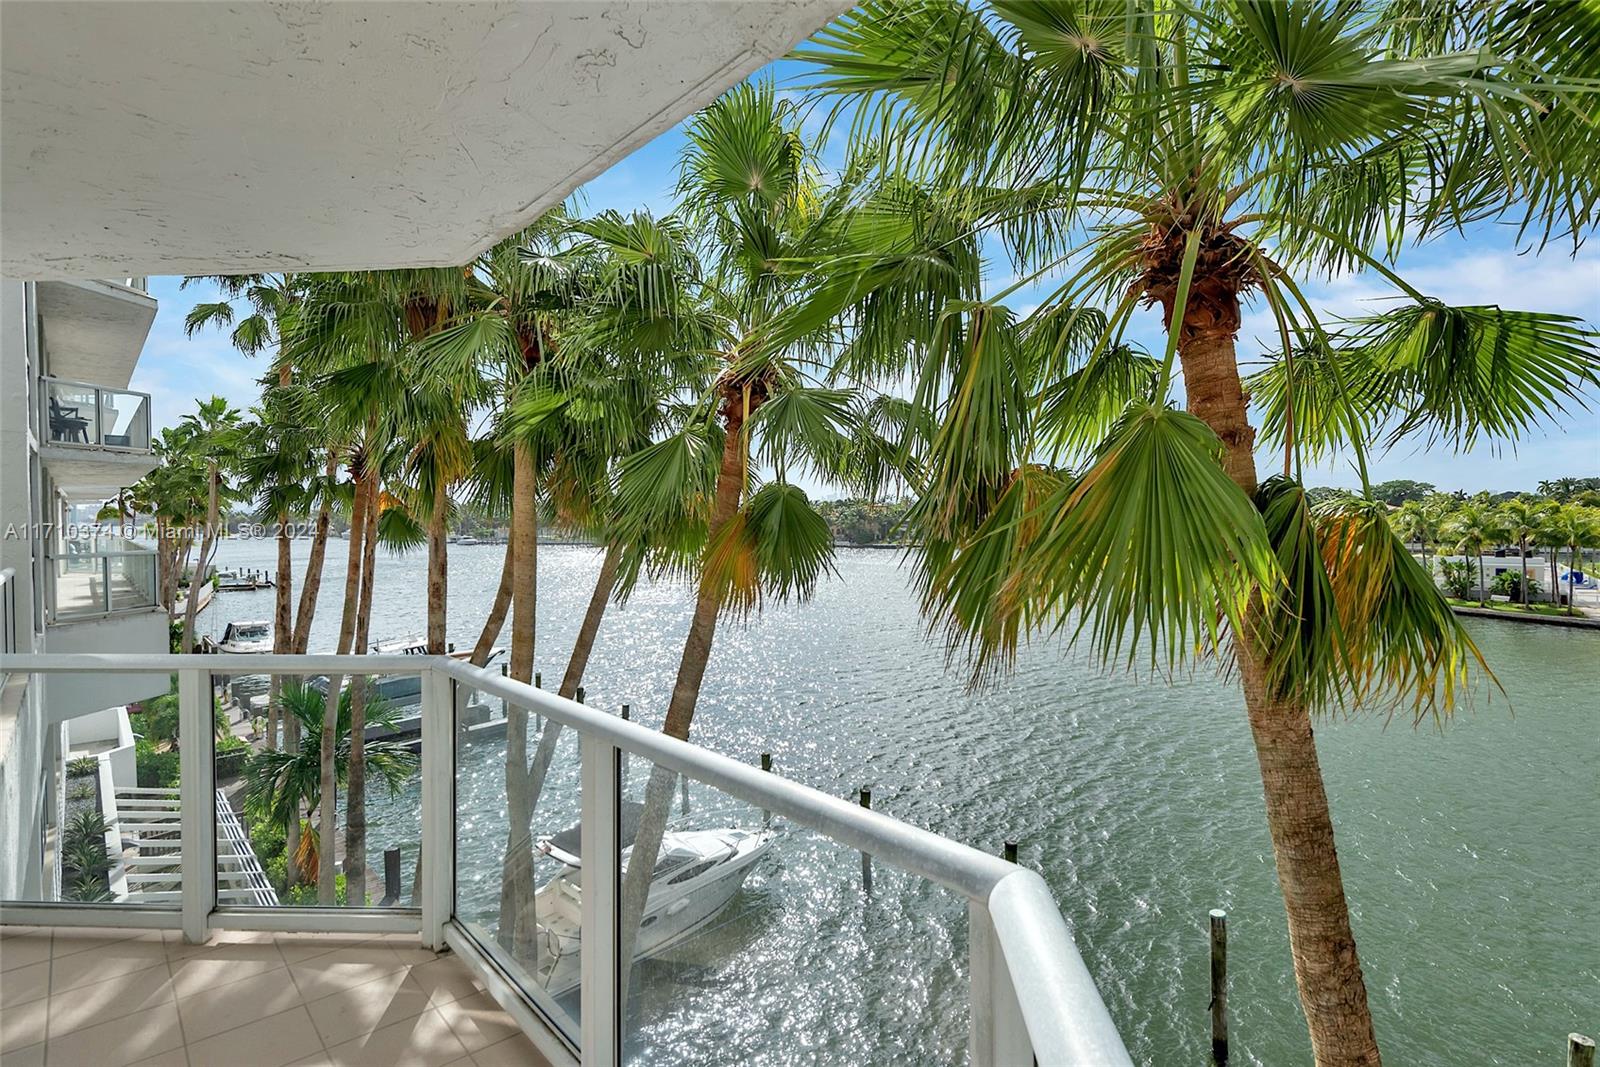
1469, 854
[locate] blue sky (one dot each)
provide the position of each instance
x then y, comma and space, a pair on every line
1485, 266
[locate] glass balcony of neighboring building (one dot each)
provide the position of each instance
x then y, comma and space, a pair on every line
101, 575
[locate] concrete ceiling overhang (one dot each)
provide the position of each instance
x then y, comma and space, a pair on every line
93, 331
169, 137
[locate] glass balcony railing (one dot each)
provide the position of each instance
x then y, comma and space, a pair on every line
101, 576
93, 417
777, 924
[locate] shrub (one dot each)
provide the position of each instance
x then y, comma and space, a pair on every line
89, 889
83, 765
80, 791
156, 769
87, 825
306, 895
86, 857
1459, 578
1509, 584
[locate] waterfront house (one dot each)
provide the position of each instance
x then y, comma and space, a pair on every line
147, 139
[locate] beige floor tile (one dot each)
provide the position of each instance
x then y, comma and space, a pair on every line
178, 948
297, 948
425, 1041
331, 972
515, 1051
223, 964
212, 1010
24, 950
65, 941
8, 931
23, 1025
358, 1011
111, 999
478, 1021
19, 985
103, 961
120, 1041
30, 1056
176, 1058
270, 1042
446, 978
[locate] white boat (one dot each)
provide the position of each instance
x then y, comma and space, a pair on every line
697, 874
253, 636
466, 540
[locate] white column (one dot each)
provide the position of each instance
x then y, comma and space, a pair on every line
438, 883
197, 795
601, 1022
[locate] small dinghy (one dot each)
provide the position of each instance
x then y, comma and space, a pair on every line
697, 874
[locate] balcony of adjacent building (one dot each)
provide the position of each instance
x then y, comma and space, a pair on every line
95, 439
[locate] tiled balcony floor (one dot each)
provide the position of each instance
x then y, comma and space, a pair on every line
101, 998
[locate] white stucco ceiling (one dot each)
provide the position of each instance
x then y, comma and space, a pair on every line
188, 138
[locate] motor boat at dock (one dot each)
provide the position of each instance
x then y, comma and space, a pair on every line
697, 874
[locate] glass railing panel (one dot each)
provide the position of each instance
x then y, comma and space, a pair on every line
77, 586
517, 786
271, 845
92, 801
131, 580
124, 419
72, 414
763, 942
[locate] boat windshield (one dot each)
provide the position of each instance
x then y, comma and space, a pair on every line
250, 632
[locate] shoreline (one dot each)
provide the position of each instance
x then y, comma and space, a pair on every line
1576, 622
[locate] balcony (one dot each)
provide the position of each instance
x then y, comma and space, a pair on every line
528, 894
95, 440
93, 331
100, 576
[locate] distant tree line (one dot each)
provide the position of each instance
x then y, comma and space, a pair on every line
856, 521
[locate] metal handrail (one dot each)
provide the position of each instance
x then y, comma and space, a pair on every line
1033, 958
8, 611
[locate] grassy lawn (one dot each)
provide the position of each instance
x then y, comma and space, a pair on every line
1517, 609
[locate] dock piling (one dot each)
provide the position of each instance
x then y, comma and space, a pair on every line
1219, 986
1580, 1051
391, 878
1009, 852
766, 765
866, 858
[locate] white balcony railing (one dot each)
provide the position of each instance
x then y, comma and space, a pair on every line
89, 416
1029, 996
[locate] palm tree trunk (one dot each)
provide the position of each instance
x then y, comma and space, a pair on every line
517, 874
1522, 579
1483, 590
319, 551
1327, 969
438, 571
282, 623
685, 690
327, 816
191, 604
355, 819
1572, 581
497, 611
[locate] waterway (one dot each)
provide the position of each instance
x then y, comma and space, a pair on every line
1469, 850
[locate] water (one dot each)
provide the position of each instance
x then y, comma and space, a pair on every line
1468, 854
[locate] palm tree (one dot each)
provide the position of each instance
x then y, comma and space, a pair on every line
1578, 528
1522, 520
745, 327
1188, 157
1415, 522
212, 433
1472, 530
279, 785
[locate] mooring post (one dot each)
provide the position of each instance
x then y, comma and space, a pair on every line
766, 765
622, 753
866, 858
1219, 985
1580, 1051
391, 878
1009, 853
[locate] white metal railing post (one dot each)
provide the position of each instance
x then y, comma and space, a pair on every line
437, 862
197, 796
997, 1033
600, 999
